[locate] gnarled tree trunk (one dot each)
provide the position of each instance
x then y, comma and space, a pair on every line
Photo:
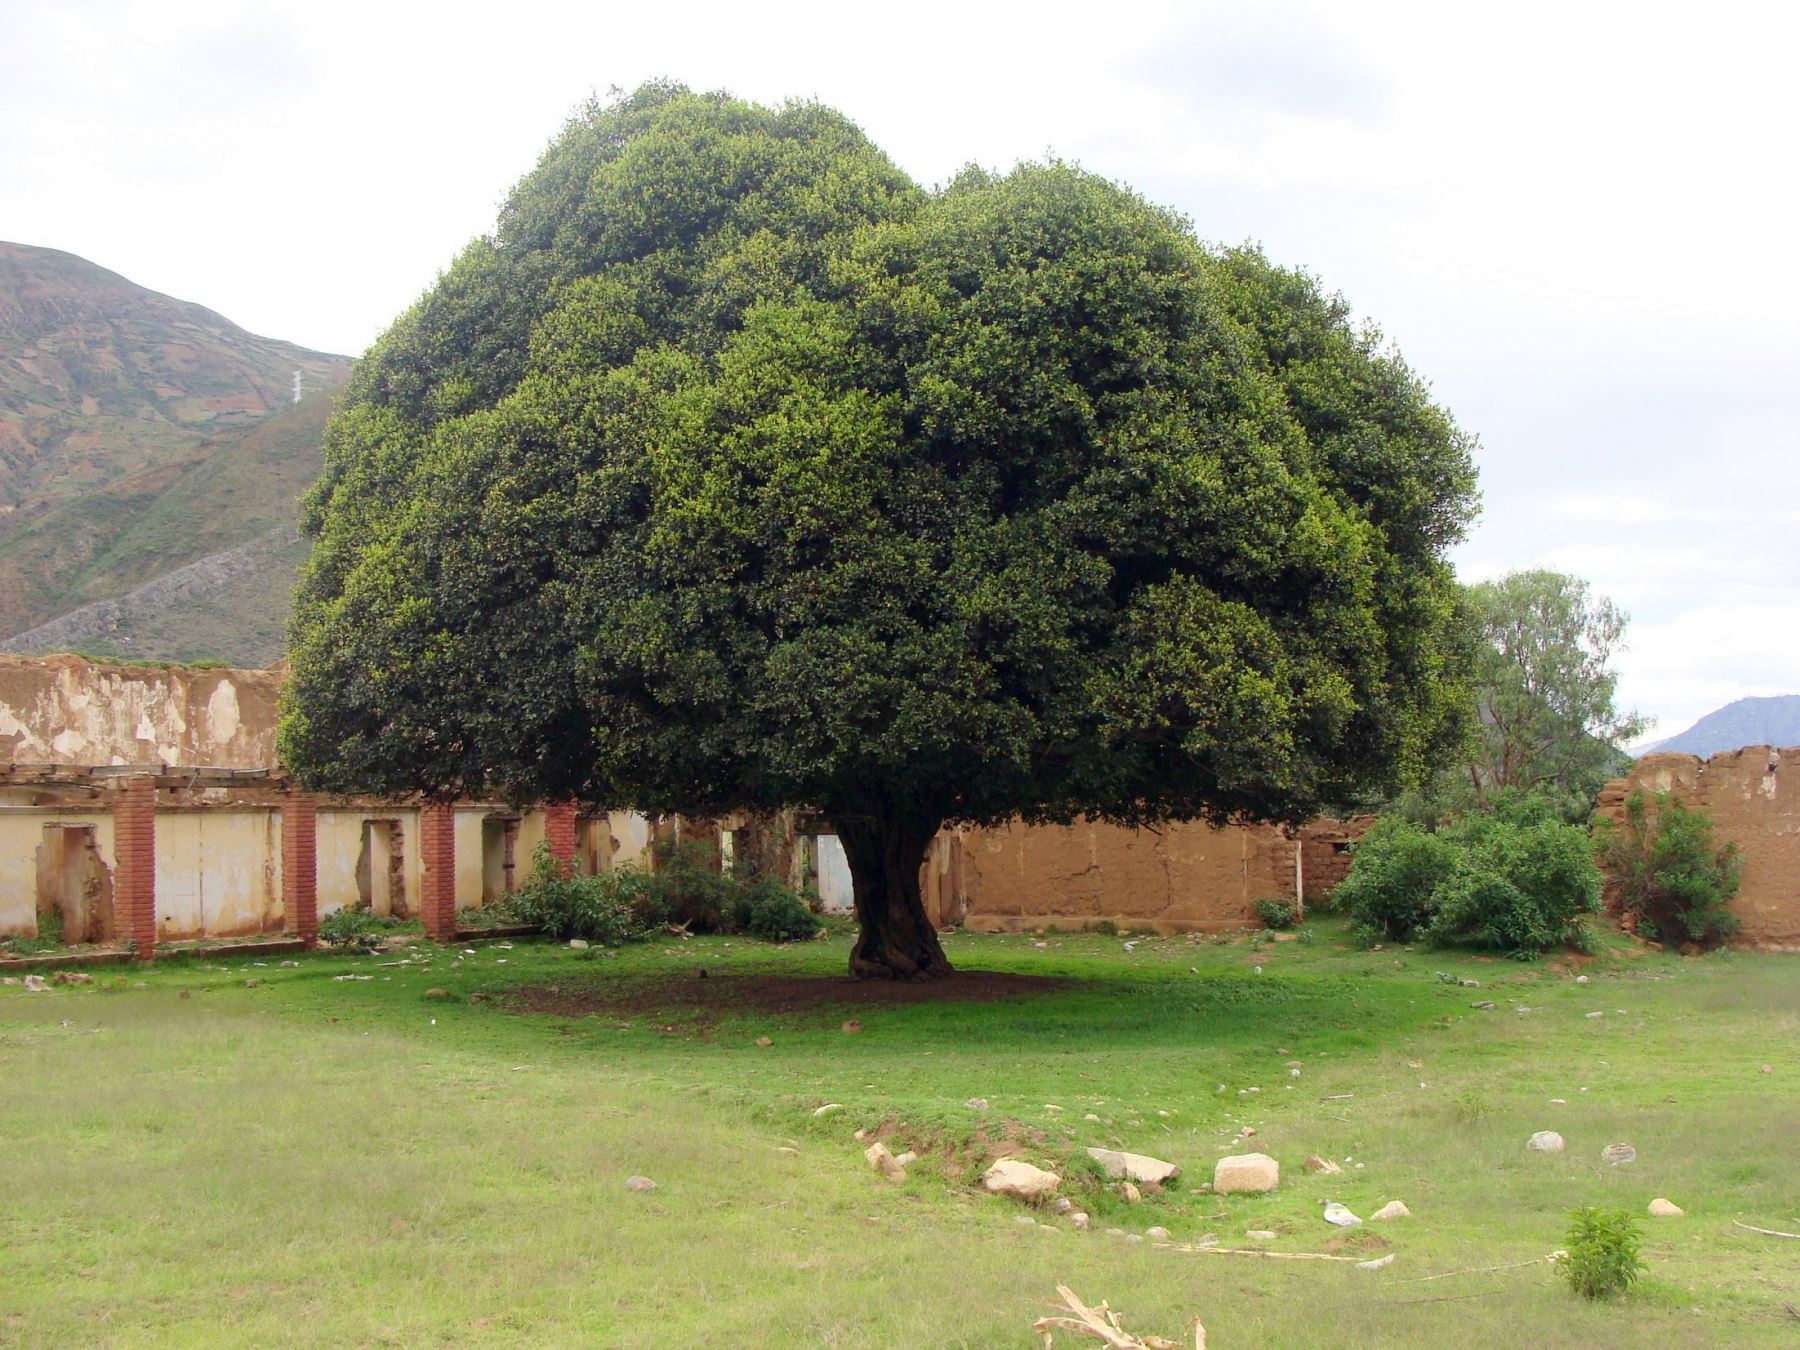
897, 941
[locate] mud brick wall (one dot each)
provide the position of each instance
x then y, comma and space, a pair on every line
1753, 796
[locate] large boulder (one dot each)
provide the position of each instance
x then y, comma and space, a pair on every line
1252, 1172
1020, 1180
1145, 1171
1545, 1141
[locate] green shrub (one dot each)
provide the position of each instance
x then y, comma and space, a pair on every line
1521, 884
354, 927
1395, 870
1277, 913
1515, 878
689, 888
1672, 879
770, 911
602, 908
1602, 1245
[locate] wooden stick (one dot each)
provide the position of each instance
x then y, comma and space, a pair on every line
1255, 1251
1474, 1270
1447, 1298
1767, 1232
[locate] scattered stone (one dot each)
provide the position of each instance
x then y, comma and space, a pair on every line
1581, 979
290, 965
1664, 1209
437, 993
906, 1159
1591, 1016
1340, 1216
828, 1108
1293, 1073
1090, 1116
1618, 1154
1052, 1107
1134, 1237
1063, 1204
1545, 1141
1379, 1263
1131, 1193
1768, 1068
251, 983
1559, 1101
1025, 1221
71, 977
852, 1027
35, 984
639, 1184
1134, 1166
1259, 1235
1470, 984
976, 1104
1020, 1180
1249, 1131
1252, 1172
1080, 1221
578, 944
1486, 1005
10, 979
787, 1148
764, 1041
1115, 1232
1323, 1166
886, 1163
1393, 1209
1158, 1234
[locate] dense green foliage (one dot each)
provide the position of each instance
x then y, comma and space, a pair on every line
1603, 1248
1515, 879
1277, 912
1673, 879
353, 926
608, 907
770, 479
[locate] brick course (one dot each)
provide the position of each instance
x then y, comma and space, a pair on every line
134, 873
559, 834
300, 866
437, 887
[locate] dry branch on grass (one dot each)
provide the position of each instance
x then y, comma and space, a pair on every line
1103, 1324
1253, 1251
1766, 1232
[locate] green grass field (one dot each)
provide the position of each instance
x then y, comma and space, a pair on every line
325, 1161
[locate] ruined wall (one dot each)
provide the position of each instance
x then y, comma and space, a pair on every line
1753, 796
218, 873
65, 710
1325, 853
1177, 878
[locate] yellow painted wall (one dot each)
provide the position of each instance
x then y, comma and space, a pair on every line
21, 831
218, 873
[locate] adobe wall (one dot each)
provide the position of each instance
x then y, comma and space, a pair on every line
1753, 796
1177, 878
67, 710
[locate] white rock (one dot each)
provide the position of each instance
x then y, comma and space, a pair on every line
35, 984
1025, 1221
1394, 1209
1080, 1220
1259, 1235
1020, 1180
639, 1184
1134, 1166
1379, 1263
1665, 1209
1581, 979
1340, 1216
1063, 1204
1157, 1234
1618, 1154
1323, 1166
1252, 1172
976, 1104
1131, 1193
907, 1159
1092, 1117
1115, 1232
1591, 1016
828, 1108
1545, 1141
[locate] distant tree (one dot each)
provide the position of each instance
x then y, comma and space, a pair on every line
735, 471
1545, 715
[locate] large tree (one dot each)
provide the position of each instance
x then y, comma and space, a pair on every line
735, 471
1546, 714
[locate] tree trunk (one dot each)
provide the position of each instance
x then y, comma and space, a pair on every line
897, 941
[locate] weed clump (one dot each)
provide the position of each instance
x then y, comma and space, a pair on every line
1673, 881
1277, 912
1602, 1259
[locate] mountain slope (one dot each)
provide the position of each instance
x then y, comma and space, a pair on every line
1749, 721
140, 434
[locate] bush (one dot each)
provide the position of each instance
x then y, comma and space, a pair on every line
354, 927
688, 888
770, 911
1522, 882
1395, 870
602, 908
1602, 1260
1673, 881
1515, 878
1277, 913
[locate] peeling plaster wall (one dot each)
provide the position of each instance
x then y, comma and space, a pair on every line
218, 873
1753, 796
1179, 878
65, 710
21, 831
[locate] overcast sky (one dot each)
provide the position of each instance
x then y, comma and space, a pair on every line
1577, 221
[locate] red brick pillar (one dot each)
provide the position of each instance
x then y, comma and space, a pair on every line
437, 848
300, 866
559, 834
134, 873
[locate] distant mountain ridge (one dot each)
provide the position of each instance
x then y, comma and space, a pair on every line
141, 435
1774, 720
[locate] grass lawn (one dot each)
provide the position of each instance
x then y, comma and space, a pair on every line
195, 1159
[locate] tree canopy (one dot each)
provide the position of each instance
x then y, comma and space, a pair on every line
734, 470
